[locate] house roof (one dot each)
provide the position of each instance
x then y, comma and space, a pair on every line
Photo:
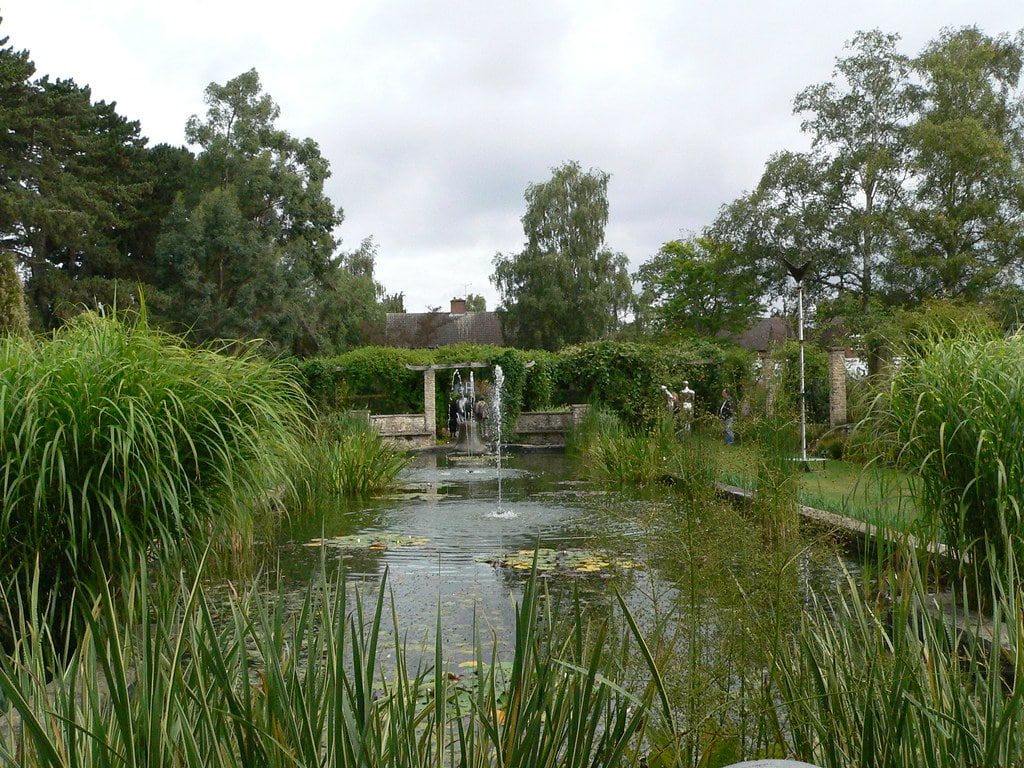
764, 334
419, 330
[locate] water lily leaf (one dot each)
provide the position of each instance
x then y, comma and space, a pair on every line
374, 541
562, 560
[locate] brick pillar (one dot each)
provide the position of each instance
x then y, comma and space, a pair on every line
837, 415
429, 404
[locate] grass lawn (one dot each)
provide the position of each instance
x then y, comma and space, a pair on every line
877, 495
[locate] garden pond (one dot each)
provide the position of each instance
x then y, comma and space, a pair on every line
457, 542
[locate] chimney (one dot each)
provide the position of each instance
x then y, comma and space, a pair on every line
458, 306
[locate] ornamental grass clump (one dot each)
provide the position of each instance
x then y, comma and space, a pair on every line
345, 458
118, 441
615, 454
956, 416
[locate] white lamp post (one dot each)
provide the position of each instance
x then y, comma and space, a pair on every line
797, 272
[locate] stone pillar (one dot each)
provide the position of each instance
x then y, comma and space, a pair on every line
837, 415
578, 413
770, 375
429, 402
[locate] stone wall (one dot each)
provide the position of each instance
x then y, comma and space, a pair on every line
407, 430
412, 430
543, 427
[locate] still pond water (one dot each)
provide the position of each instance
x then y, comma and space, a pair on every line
450, 541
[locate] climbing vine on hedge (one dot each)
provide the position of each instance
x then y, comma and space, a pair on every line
621, 376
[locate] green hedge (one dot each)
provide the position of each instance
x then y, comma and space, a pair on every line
623, 377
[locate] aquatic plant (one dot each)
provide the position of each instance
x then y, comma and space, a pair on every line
910, 680
116, 440
343, 458
248, 682
612, 453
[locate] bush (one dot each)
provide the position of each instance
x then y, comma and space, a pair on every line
345, 458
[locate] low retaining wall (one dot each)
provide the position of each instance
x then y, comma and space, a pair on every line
408, 430
412, 431
548, 427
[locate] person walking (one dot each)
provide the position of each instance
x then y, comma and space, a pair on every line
727, 412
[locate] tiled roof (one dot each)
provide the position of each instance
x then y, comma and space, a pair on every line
420, 330
764, 334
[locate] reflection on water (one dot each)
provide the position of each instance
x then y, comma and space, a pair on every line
453, 505
450, 508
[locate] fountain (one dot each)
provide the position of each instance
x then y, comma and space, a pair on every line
499, 382
465, 410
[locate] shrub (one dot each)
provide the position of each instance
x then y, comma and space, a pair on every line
344, 458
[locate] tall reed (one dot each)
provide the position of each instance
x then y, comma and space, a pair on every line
908, 682
614, 454
777, 465
343, 458
251, 683
956, 414
116, 440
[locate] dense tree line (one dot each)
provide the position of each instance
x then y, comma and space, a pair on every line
912, 189
234, 240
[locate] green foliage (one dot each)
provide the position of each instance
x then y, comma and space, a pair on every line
232, 680
913, 331
620, 375
964, 225
74, 174
614, 455
369, 378
954, 415
565, 287
343, 458
513, 392
539, 392
118, 441
625, 377
912, 187
777, 441
787, 380
903, 681
13, 313
700, 285
250, 252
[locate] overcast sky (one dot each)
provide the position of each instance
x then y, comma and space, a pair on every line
435, 116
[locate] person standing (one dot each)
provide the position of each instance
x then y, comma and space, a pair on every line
727, 412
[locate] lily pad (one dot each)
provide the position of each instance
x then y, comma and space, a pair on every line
376, 541
561, 560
